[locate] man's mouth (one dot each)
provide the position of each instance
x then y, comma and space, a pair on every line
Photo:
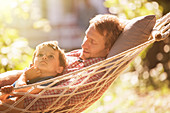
85, 51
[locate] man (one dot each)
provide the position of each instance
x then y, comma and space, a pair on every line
99, 38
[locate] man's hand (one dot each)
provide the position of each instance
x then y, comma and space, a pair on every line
9, 77
32, 72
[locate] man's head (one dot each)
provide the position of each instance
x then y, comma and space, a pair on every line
100, 36
49, 57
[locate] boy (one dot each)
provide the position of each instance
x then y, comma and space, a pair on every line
48, 62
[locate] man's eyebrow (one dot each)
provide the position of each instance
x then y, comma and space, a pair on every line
52, 53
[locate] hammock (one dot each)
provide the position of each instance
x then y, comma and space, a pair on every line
108, 69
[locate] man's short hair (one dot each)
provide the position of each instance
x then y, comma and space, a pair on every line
108, 26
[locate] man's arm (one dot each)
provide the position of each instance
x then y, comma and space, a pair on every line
23, 81
5, 91
9, 77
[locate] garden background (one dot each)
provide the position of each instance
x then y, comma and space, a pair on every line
142, 88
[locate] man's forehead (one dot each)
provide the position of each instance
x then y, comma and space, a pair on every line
91, 30
94, 33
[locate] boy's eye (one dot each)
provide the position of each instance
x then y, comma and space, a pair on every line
51, 56
40, 55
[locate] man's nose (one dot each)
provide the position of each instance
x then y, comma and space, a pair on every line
85, 44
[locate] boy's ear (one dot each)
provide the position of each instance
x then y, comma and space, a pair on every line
60, 69
31, 65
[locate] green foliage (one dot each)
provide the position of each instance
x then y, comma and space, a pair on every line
130, 9
14, 8
15, 52
133, 8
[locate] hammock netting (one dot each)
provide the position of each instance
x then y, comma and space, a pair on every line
106, 72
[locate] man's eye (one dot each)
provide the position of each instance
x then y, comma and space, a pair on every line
93, 42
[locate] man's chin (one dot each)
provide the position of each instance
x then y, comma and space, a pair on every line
84, 57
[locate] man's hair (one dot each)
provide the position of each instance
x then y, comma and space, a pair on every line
108, 26
53, 45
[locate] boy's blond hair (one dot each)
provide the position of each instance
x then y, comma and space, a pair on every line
53, 45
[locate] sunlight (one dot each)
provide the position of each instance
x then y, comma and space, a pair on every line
12, 10
107, 98
5, 4
163, 76
166, 48
4, 61
5, 50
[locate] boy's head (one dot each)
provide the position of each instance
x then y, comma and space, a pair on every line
49, 57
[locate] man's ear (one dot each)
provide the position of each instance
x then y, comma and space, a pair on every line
107, 51
60, 69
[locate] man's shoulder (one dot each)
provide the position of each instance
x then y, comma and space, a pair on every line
75, 63
74, 56
91, 61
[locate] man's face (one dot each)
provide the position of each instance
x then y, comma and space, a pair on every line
93, 44
47, 59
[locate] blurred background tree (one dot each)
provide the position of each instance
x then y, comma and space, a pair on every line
144, 86
158, 55
15, 52
153, 64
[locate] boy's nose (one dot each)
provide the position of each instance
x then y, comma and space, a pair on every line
44, 57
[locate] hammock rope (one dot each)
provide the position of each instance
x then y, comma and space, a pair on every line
108, 70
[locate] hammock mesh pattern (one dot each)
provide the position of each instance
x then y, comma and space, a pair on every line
107, 70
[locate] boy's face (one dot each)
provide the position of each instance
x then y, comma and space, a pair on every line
47, 59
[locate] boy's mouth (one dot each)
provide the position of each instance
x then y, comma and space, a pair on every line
43, 62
